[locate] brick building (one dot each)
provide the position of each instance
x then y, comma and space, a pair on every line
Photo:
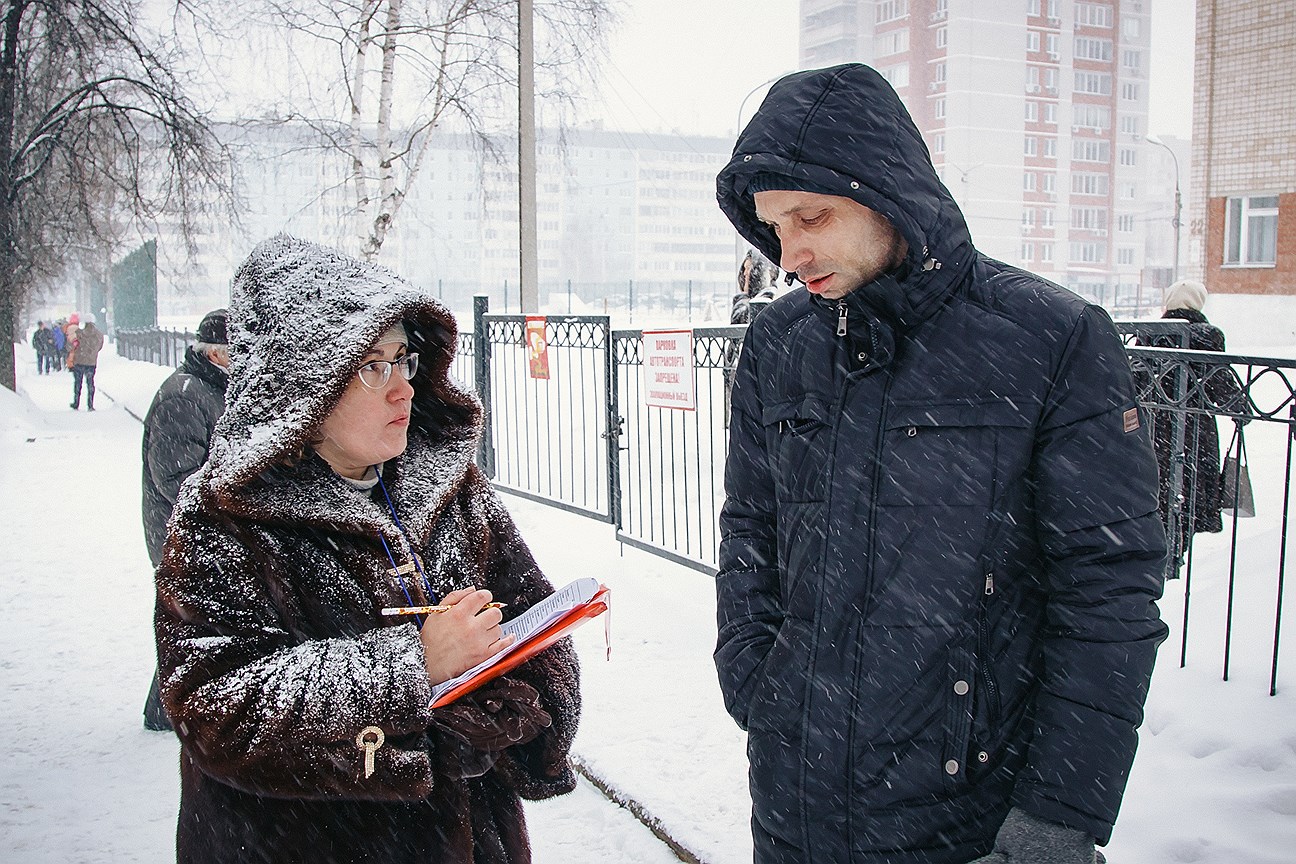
1243, 229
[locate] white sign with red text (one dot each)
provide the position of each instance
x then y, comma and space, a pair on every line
668, 369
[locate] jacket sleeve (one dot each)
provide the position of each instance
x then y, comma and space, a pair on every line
539, 768
271, 712
178, 445
1095, 482
749, 607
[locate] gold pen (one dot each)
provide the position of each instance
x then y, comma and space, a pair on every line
431, 610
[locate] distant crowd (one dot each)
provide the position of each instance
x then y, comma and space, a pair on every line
71, 343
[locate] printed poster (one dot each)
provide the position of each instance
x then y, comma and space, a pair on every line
668, 369
537, 347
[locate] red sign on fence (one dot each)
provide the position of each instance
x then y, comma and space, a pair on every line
537, 347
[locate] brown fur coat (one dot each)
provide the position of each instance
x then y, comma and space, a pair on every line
272, 653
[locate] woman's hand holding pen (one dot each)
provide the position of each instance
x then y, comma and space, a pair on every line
462, 636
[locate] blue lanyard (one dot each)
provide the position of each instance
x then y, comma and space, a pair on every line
418, 565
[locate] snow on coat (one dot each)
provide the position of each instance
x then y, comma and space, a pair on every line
273, 656
940, 545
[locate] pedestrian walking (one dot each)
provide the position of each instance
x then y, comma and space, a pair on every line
1211, 389
60, 344
43, 341
177, 436
86, 342
940, 548
342, 480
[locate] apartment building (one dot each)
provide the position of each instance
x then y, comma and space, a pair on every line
1243, 223
1035, 113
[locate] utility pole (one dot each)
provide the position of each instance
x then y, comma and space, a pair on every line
1177, 220
529, 271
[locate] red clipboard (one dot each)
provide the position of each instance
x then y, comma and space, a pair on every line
540, 640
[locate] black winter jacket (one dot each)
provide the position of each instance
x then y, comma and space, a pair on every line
177, 433
940, 546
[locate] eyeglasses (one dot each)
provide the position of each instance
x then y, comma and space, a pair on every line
376, 373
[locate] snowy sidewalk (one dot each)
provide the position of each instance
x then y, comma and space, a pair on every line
1215, 780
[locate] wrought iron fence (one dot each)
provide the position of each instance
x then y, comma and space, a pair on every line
163, 347
585, 440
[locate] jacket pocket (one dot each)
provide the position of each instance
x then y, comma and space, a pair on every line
953, 453
799, 435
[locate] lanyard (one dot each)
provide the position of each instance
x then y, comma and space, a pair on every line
418, 565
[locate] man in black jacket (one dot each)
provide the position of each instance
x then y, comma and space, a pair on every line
177, 432
940, 547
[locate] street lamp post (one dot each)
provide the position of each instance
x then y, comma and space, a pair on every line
1178, 203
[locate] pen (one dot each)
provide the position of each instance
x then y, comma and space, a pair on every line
429, 610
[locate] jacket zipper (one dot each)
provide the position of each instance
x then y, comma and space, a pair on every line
841, 317
983, 650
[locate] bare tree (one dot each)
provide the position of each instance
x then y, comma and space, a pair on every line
95, 132
435, 62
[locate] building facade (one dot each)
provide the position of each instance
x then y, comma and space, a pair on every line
627, 222
1035, 113
1243, 231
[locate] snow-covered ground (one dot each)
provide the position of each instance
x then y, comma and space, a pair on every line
1215, 780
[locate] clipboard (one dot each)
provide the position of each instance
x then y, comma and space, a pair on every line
533, 643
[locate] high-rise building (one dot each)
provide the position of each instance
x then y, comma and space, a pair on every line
1035, 113
1243, 220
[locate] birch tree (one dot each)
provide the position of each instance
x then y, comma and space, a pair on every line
403, 68
95, 131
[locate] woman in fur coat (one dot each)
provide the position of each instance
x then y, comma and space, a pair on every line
341, 480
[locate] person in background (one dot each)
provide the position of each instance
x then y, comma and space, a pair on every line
940, 549
177, 435
1211, 389
60, 344
86, 342
755, 287
43, 341
342, 480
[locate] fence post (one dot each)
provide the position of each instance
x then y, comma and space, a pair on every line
614, 424
481, 380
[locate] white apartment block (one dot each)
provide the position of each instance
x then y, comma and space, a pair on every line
1035, 113
625, 220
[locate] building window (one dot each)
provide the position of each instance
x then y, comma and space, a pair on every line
1096, 83
1129, 124
1127, 156
940, 73
1092, 117
942, 37
938, 109
1046, 216
1125, 223
1130, 91
1125, 255
1028, 218
1029, 146
1089, 150
1132, 59
897, 76
1032, 111
890, 10
1046, 252
1251, 231
1089, 219
1028, 181
1028, 251
1093, 15
1032, 7
895, 42
938, 142
1032, 79
1130, 27
1088, 48
1050, 80
1049, 149
1051, 45
1032, 40
1088, 253
1050, 113
1083, 183
1128, 191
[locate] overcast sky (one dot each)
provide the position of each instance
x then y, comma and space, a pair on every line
688, 64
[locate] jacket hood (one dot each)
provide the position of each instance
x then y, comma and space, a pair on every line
302, 316
844, 129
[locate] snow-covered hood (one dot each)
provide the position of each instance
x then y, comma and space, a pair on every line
302, 316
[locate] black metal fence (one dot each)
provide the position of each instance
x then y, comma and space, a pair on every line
580, 435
